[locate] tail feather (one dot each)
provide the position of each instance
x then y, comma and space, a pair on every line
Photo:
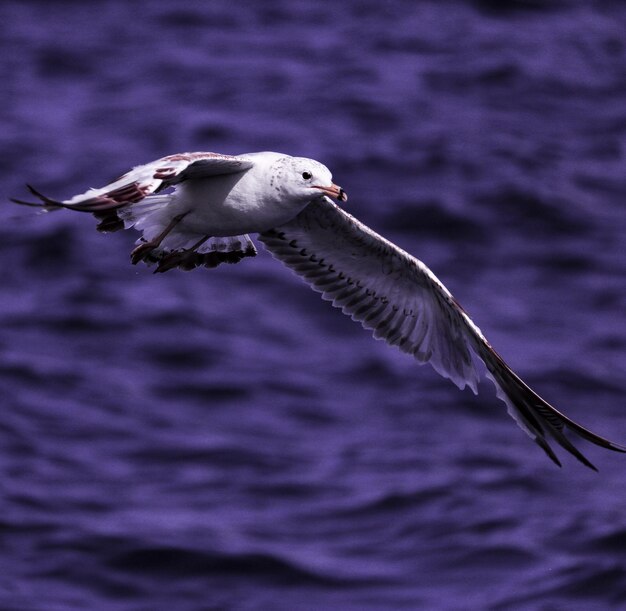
138, 215
188, 260
187, 251
141, 214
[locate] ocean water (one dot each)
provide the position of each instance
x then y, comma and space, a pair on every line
223, 439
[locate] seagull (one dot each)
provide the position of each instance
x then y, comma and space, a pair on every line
197, 209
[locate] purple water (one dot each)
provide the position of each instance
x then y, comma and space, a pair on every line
224, 439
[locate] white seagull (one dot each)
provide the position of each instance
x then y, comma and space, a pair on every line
217, 200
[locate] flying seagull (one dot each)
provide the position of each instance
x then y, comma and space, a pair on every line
197, 209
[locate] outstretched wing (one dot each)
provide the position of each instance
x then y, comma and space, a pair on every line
402, 301
142, 181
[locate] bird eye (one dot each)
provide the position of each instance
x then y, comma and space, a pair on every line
307, 175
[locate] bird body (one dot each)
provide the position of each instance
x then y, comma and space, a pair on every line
240, 202
218, 199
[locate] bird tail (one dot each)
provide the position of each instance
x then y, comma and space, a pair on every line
186, 251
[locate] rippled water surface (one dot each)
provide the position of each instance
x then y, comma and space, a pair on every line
224, 439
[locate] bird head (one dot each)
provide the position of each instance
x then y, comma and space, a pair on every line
306, 179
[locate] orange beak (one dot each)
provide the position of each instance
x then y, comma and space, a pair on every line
333, 191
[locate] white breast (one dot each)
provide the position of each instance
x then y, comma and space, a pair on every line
232, 204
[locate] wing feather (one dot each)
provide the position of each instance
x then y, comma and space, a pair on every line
145, 180
401, 301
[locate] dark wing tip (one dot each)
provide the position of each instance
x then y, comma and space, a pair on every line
543, 444
542, 420
572, 449
587, 435
21, 202
591, 437
44, 202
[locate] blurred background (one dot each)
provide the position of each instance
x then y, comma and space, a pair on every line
224, 439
